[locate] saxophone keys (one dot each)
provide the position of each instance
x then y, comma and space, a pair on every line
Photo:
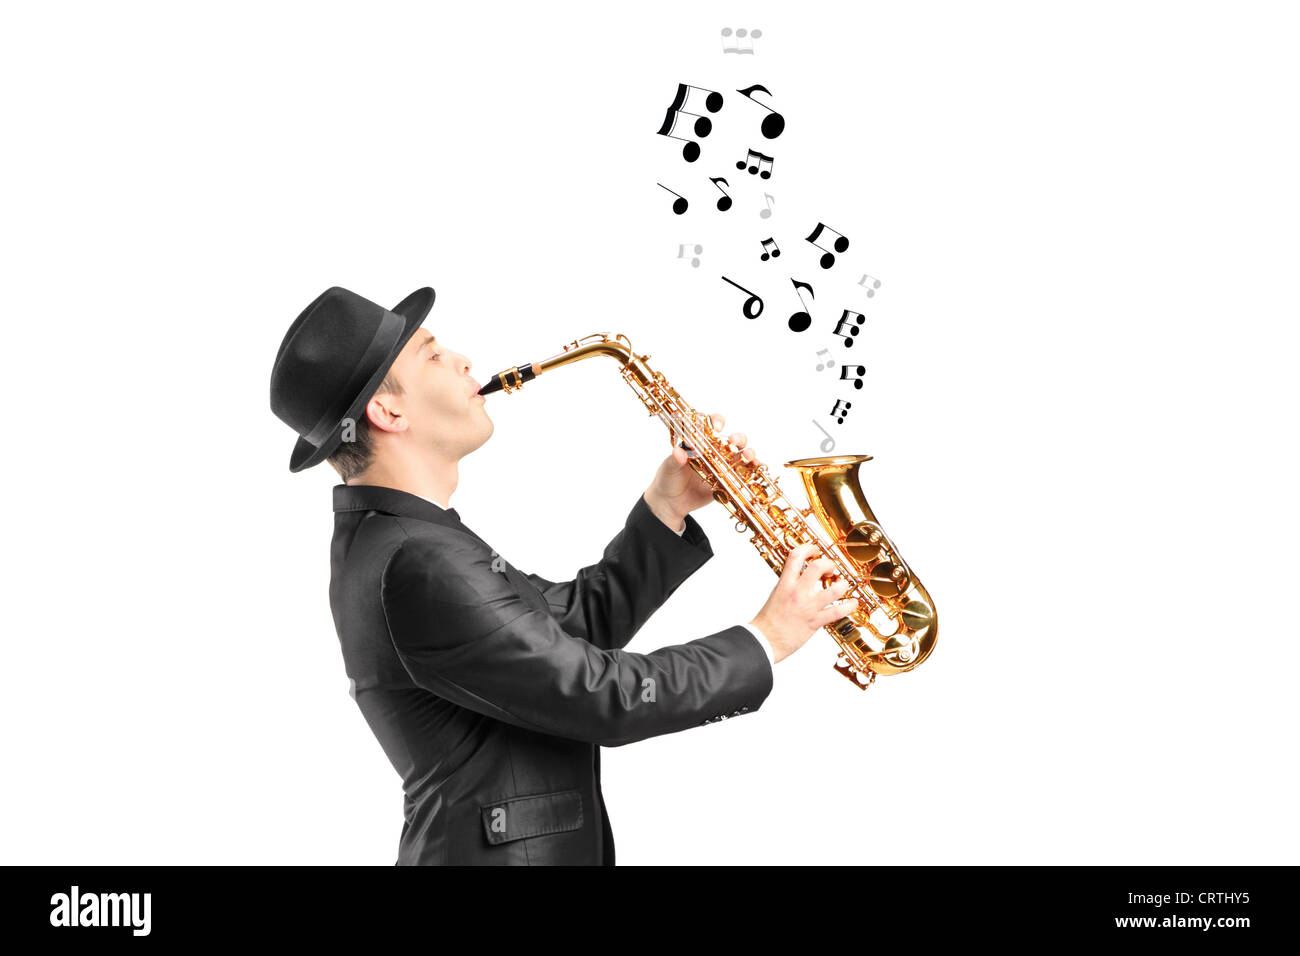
917, 615
864, 542
888, 580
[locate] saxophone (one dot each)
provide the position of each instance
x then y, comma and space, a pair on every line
894, 627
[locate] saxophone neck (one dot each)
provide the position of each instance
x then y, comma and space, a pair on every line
615, 347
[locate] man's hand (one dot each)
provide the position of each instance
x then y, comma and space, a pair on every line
677, 490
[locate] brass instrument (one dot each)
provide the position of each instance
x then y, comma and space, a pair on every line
894, 627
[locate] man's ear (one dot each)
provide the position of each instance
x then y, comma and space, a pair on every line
383, 415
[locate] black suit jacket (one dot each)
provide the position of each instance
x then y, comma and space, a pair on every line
492, 691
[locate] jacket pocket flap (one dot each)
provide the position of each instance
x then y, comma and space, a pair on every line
518, 817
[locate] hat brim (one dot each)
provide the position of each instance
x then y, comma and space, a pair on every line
413, 309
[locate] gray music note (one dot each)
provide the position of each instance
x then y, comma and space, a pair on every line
740, 35
871, 289
828, 445
681, 254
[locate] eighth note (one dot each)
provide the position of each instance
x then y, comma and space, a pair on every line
829, 361
774, 123
681, 254
678, 116
753, 304
801, 320
758, 159
725, 202
871, 289
852, 327
842, 413
846, 372
767, 214
679, 204
828, 445
841, 244
773, 252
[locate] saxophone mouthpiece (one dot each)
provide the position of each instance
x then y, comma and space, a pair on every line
509, 380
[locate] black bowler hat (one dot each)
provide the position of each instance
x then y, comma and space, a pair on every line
331, 362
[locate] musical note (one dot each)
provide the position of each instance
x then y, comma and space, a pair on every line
773, 253
846, 372
759, 159
740, 35
801, 320
679, 204
725, 202
772, 124
750, 303
842, 413
841, 244
871, 289
852, 327
767, 213
830, 362
681, 254
828, 445
699, 126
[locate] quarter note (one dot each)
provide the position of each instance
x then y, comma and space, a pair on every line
800, 320
725, 202
828, 445
829, 363
847, 373
843, 412
740, 35
767, 213
758, 159
679, 204
773, 123
769, 253
871, 289
681, 254
846, 329
841, 244
753, 306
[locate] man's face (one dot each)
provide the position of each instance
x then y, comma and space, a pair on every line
439, 407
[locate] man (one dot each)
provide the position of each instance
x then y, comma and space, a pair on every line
490, 690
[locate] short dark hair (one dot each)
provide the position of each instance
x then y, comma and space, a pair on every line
353, 457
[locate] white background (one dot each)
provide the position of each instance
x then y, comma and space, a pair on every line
1080, 402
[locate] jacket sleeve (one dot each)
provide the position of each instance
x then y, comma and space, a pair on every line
608, 602
462, 632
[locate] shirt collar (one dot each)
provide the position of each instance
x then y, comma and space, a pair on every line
392, 501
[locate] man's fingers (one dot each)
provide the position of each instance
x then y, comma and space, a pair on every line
794, 562
819, 566
835, 611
